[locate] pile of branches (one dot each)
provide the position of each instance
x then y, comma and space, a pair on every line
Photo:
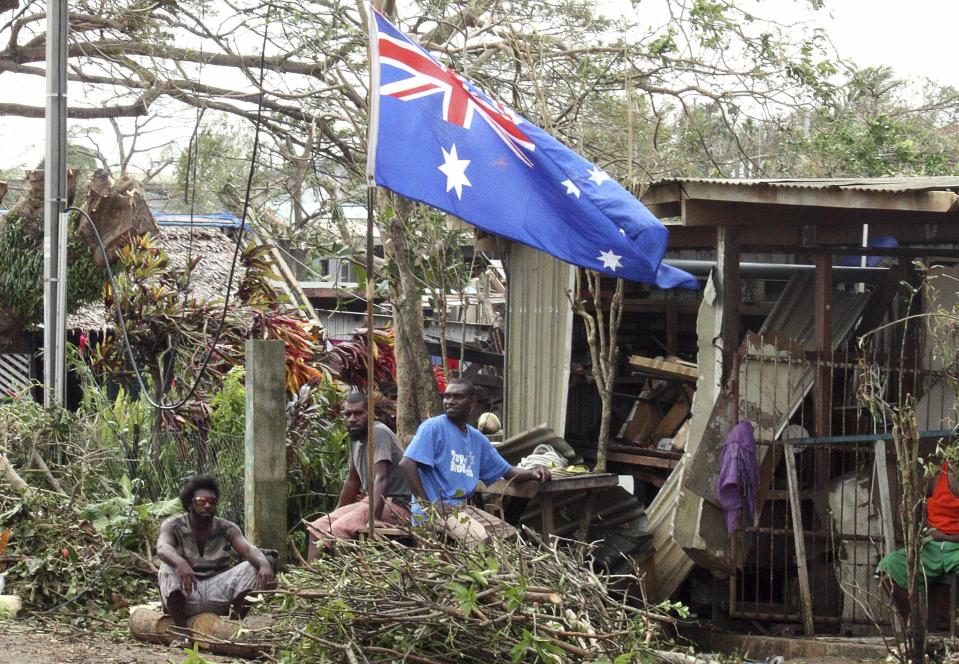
94, 560
439, 602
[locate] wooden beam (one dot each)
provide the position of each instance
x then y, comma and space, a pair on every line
685, 371
833, 197
727, 262
805, 598
822, 388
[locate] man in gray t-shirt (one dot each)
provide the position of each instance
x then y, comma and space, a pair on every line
391, 495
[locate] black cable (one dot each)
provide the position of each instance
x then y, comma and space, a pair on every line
229, 284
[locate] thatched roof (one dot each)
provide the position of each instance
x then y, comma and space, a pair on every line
207, 281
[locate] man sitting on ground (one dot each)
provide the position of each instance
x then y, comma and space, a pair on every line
446, 459
939, 554
391, 494
196, 549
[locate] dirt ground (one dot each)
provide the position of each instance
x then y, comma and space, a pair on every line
28, 642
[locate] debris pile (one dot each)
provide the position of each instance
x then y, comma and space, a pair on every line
54, 553
437, 602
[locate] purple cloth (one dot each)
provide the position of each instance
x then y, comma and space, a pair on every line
738, 476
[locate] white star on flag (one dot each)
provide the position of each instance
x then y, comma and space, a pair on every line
622, 232
454, 169
570, 188
598, 176
609, 260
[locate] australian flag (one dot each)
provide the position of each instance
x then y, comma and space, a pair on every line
436, 138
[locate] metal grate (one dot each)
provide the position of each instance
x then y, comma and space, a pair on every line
14, 372
842, 486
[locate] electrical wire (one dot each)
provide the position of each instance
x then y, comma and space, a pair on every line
233, 263
126, 340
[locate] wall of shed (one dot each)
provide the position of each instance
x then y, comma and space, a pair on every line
539, 327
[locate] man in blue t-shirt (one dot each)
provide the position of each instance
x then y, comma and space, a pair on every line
447, 457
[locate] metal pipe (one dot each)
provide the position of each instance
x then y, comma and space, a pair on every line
55, 203
840, 274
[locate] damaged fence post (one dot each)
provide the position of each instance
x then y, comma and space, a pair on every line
265, 483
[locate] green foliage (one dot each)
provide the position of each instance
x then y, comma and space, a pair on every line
21, 271
226, 441
121, 519
220, 167
55, 552
193, 656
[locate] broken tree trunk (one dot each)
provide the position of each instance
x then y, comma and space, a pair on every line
29, 205
11, 475
119, 211
417, 397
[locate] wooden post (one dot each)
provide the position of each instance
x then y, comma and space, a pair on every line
805, 598
727, 267
885, 498
672, 327
265, 485
822, 390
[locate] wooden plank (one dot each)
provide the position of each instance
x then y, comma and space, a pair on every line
673, 419
637, 459
727, 268
669, 368
643, 421
885, 500
805, 598
555, 485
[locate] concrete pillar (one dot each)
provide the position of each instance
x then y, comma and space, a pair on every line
265, 484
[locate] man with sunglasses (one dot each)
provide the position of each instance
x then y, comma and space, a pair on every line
196, 548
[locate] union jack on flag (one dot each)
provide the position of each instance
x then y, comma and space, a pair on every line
461, 100
503, 174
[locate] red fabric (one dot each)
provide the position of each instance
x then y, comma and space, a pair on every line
942, 509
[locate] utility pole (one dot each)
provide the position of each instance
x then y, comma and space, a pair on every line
55, 203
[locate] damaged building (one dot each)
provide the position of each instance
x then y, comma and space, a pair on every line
792, 331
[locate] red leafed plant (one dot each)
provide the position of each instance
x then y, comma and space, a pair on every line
347, 359
301, 348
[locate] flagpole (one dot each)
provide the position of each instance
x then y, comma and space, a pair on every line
370, 345
373, 102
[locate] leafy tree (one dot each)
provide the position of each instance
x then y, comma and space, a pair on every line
561, 64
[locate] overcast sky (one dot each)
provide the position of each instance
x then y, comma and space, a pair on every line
915, 37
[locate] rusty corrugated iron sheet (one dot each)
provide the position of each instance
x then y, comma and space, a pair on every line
887, 185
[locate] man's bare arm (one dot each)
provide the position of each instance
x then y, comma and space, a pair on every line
166, 551
537, 474
350, 490
940, 536
381, 483
411, 472
255, 557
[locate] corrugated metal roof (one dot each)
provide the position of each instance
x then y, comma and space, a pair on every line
888, 185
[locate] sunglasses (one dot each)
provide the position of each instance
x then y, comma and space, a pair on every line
203, 501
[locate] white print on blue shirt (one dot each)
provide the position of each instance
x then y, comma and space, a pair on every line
462, 463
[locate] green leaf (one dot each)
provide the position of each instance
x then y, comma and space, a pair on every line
465, 596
